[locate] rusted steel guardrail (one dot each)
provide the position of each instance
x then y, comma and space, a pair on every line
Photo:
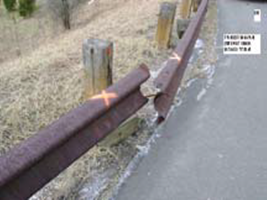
170, 77
33, 163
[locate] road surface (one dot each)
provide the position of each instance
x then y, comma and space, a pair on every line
215, 148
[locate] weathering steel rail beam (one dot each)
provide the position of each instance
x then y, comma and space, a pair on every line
170, 77
36, 161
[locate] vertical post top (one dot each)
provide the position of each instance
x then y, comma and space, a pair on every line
101, 44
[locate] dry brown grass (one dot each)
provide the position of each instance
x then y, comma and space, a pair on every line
38, 88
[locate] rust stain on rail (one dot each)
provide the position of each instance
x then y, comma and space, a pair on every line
170, 77
36, 161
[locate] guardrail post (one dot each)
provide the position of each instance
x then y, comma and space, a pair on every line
186, 9
196, 4
182, 25
185, 13
165, 24
127, 129
170, 77
97, 60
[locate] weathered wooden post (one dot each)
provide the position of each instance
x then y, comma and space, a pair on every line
97, 60
185, 13
185, 9
196, 4
127, 129
165, 24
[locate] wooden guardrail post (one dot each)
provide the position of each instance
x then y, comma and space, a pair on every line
185, 9
185, 13
165, 24
97, 60
196, 4
127, 129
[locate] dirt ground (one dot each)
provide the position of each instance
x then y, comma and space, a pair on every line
42, 85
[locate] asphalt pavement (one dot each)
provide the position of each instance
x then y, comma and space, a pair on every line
214, 148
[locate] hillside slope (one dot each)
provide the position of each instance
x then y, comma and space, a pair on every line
38, 88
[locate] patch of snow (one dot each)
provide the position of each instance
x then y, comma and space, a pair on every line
199, 44
190, 82
191, 58
209, 82
94, 189
154, 119
200, 51
154, 74
209, 70
143, 151
34, 198
201, 94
